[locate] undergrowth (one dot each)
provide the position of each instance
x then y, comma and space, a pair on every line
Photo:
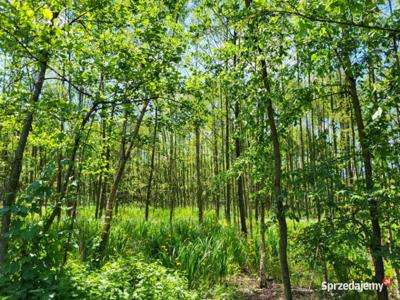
146, 260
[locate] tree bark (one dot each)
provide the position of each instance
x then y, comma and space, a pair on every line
240, 192
153, 147
216, 167
198, 175
101, 175
277, 189
239, 181
103, 195
227, 164
375, 241
171, 183
262, 269
12, 184
70, 171
125, 154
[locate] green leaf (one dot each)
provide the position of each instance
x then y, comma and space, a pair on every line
48, 14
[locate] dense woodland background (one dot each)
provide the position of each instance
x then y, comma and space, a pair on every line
166, 149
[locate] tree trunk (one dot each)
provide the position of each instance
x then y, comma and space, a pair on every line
103, 195
148, 195
263, 270
12, 184
240, 192
171, 183
100, 181
198, 175
277, 189
105, 233
216, 167
70, 171
227, 164
375, 241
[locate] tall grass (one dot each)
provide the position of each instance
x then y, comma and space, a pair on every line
205, 253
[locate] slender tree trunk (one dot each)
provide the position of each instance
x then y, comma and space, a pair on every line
257, 202
354, 169
125, 154
97, 195
240, 191
72, 206
12, 184
59, 169
216, 167
239, 182
171, 183
100, 181
227, 163
263, 251
198, 175
222, 159
302, 156
71, 227
105, 185
159, 178
70, 170
153, 147
375, 241
247, 191
277, 189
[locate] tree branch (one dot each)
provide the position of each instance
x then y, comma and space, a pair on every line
328, 20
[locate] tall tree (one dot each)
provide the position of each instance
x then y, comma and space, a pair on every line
153, 147
41, 59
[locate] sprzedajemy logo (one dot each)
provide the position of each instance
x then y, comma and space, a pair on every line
355, 286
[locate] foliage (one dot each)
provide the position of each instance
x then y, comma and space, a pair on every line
124, 278
292, 105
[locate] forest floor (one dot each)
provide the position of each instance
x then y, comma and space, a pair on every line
250, 290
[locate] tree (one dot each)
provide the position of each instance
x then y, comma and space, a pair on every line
48, 35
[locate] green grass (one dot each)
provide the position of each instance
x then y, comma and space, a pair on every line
204, 253
207, 254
